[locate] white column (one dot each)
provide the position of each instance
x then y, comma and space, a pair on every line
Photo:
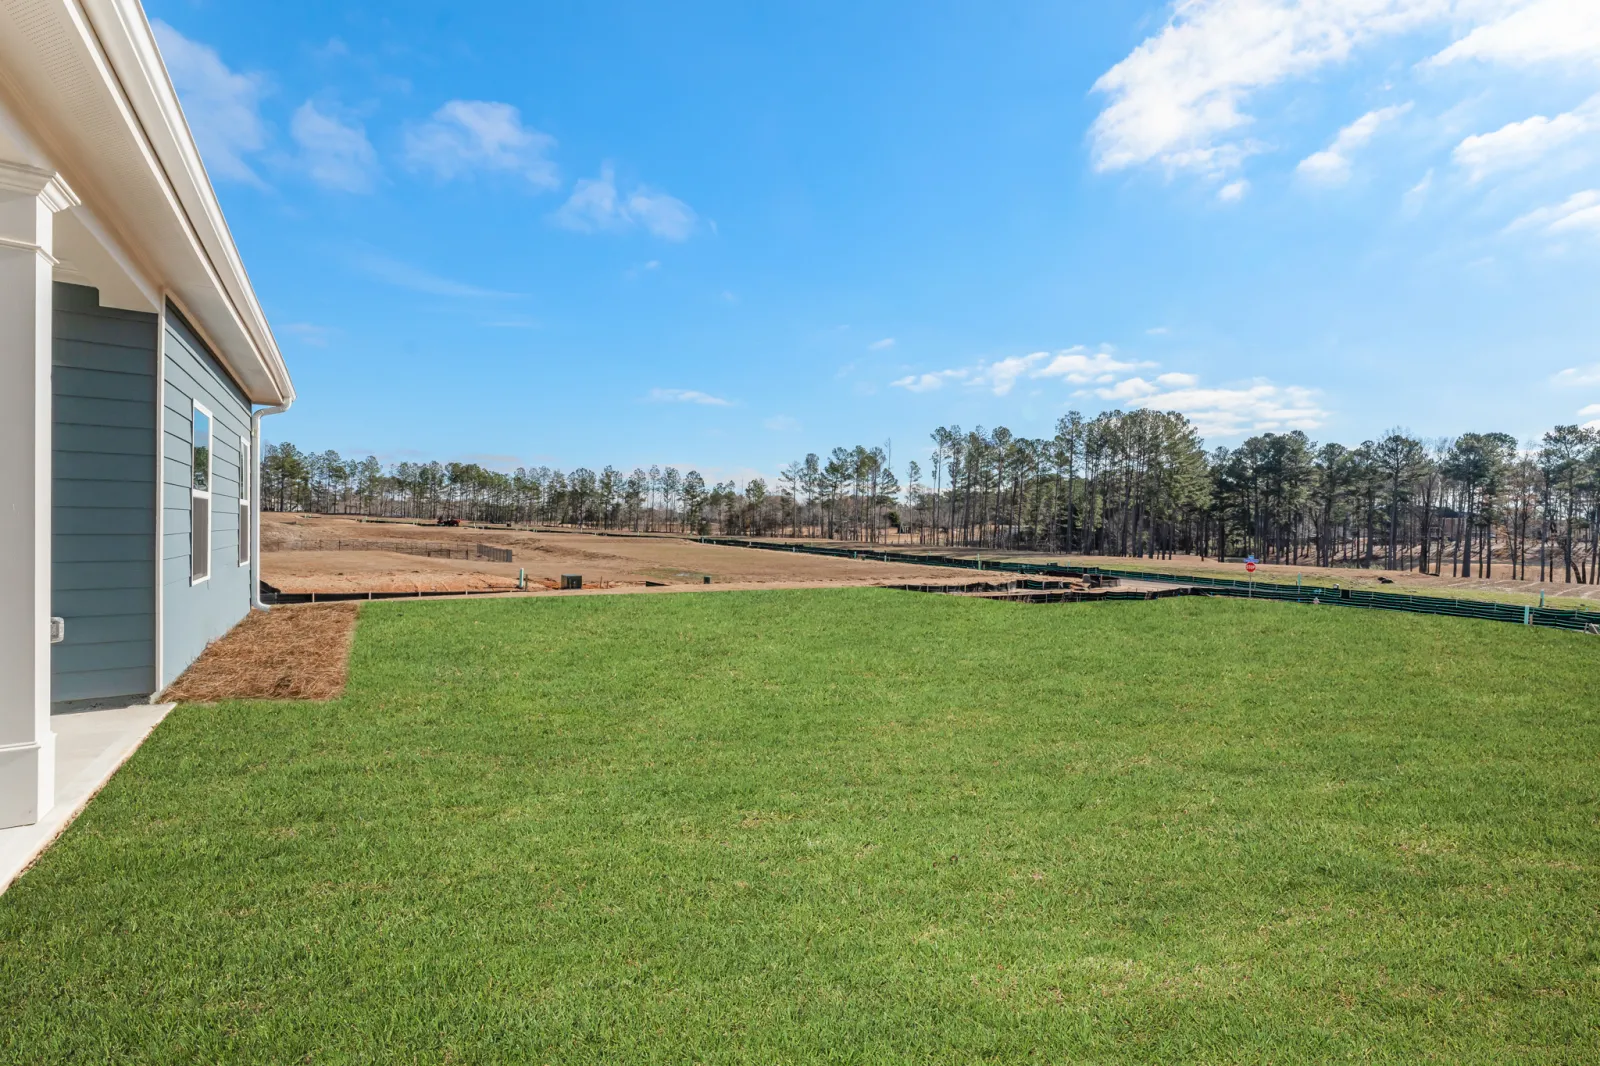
29, 199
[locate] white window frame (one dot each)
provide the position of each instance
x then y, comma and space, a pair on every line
246, 472
196, 577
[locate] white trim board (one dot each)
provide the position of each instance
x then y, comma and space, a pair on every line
249, 470
161, 496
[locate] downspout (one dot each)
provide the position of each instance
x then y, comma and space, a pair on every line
255, 498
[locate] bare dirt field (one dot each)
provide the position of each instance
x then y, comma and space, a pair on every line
1499, 588
320, 553
324, 553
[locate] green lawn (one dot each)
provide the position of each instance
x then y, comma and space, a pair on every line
847, 826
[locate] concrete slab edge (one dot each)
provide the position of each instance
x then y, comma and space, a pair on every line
53, 824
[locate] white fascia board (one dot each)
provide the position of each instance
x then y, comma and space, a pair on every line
130, 44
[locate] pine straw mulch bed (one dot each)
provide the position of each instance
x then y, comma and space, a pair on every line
288, 653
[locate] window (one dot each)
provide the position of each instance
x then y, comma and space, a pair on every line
200, 496
245, 474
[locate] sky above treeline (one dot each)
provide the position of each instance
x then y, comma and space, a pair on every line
721, 235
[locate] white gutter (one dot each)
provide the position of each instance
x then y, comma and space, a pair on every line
255, 498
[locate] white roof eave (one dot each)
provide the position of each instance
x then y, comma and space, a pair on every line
88, 78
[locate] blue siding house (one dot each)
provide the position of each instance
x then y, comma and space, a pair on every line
135, 367
201, 601
103, 514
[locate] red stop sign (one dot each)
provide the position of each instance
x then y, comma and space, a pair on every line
1250, 567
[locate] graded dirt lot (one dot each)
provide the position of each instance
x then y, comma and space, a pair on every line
325, 553
320, 553
1377, 579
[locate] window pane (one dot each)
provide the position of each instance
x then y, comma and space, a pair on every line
244, 469
200, 537
202, 451
244, 532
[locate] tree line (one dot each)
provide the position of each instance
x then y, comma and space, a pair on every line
1135, 483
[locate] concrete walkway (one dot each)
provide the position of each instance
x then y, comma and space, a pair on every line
90, 746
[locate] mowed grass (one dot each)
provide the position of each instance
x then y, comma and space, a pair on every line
846, 826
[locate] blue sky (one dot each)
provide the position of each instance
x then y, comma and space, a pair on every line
722, 235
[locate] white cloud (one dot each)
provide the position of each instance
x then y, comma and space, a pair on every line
336, 154
1417, 195
1076, 365
1080, 367
1258, 407
1158, 331
1178, 99
1592, 409
1577, 213
878, 346
1521, 144
928, 382
1138, 389
465, 136
1529, 33
687, 396
664, 216
1128, 389
406, 276
1001, 376
1181, 99
1331, 166
595, 205
1233, 192
592, 205
782, 423
1576, 377
221, 105
1254, 407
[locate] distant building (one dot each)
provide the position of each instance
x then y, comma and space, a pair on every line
132, 355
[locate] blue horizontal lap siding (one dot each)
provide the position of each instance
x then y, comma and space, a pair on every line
100, 521
130, 547
113, 441
105, 655
109, 629
103, 497
84, 492
98, 466
104, 389
196, 614
132, 683
79, 604
87, 577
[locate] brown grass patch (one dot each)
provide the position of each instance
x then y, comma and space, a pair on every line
288, 653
